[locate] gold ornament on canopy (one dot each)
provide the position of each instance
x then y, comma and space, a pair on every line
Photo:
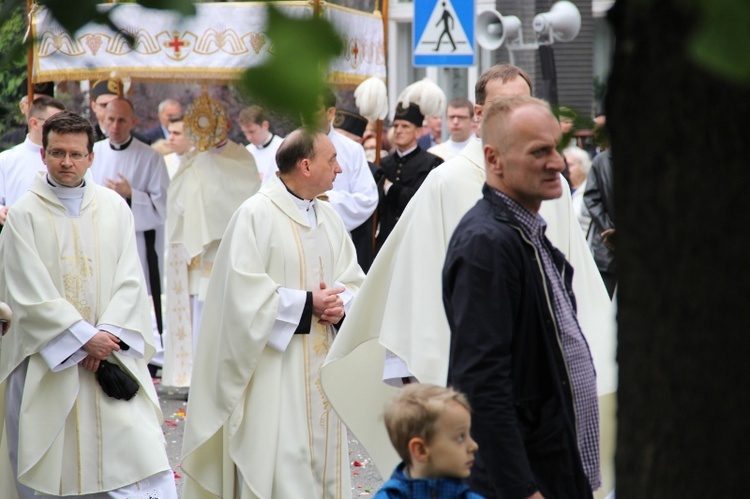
206, 122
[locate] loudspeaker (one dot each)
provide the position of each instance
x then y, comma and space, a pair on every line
562, 22
493, 29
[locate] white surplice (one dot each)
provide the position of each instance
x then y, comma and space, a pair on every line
67, 275
203, 195
354, 195
259, 424
265, 157
18, 167
400, 307
145, 170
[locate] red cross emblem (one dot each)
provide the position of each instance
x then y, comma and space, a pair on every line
176, 44
355, 51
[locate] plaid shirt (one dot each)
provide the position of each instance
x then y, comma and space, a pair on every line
575, 348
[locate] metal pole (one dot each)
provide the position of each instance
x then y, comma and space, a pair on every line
29, 56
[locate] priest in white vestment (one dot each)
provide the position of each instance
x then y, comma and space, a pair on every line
20, 164
203, 195
71, 274
258, 424
399, 329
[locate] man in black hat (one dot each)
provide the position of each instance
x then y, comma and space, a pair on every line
405, 169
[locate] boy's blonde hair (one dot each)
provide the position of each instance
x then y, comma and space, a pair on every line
414, 412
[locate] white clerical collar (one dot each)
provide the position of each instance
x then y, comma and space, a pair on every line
305, 206
70, 197
122, 146
407, 152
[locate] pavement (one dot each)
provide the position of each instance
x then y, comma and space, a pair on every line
366, 479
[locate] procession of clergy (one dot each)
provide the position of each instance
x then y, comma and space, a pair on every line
252, 288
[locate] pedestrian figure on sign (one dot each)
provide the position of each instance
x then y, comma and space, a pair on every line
445, 18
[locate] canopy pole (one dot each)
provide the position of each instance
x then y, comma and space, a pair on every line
29, 55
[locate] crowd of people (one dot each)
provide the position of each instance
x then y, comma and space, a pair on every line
299, 289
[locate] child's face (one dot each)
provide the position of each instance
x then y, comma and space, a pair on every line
451, 449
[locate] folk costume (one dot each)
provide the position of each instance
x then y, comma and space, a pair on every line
259, 423
407, 169
70, 269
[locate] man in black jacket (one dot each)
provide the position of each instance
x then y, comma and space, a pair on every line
600, 201
404, 170
517, 350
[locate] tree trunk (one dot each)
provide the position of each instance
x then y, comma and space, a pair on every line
683, 249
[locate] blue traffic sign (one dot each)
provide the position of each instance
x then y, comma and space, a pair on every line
443, 33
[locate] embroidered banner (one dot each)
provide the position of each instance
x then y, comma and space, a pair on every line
216, 45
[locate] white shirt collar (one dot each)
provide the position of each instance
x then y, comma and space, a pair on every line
407, 152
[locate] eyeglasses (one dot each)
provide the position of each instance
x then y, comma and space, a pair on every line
75, 156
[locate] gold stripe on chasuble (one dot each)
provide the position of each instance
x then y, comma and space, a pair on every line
306, 370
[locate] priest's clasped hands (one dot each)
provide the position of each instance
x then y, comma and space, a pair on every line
99, 347
328, 305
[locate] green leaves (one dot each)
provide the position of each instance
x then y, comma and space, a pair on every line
293, 78
184, 7
72, 18
722, 39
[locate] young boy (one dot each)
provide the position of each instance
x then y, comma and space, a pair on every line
429, 427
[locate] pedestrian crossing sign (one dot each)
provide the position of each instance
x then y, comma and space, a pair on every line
443, 33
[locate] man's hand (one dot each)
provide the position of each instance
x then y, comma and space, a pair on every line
3, 214
608, 237
328, 305
90, 363
121, 186
102, 345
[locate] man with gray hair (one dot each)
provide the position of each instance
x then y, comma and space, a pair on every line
168, 110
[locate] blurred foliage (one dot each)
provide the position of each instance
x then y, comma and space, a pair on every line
293, 78
722, 38
13, 69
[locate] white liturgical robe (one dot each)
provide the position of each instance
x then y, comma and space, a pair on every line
145, 170
354, 195
400, 306
259, 424
18, 167
265, 157
203, 195
66, 276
